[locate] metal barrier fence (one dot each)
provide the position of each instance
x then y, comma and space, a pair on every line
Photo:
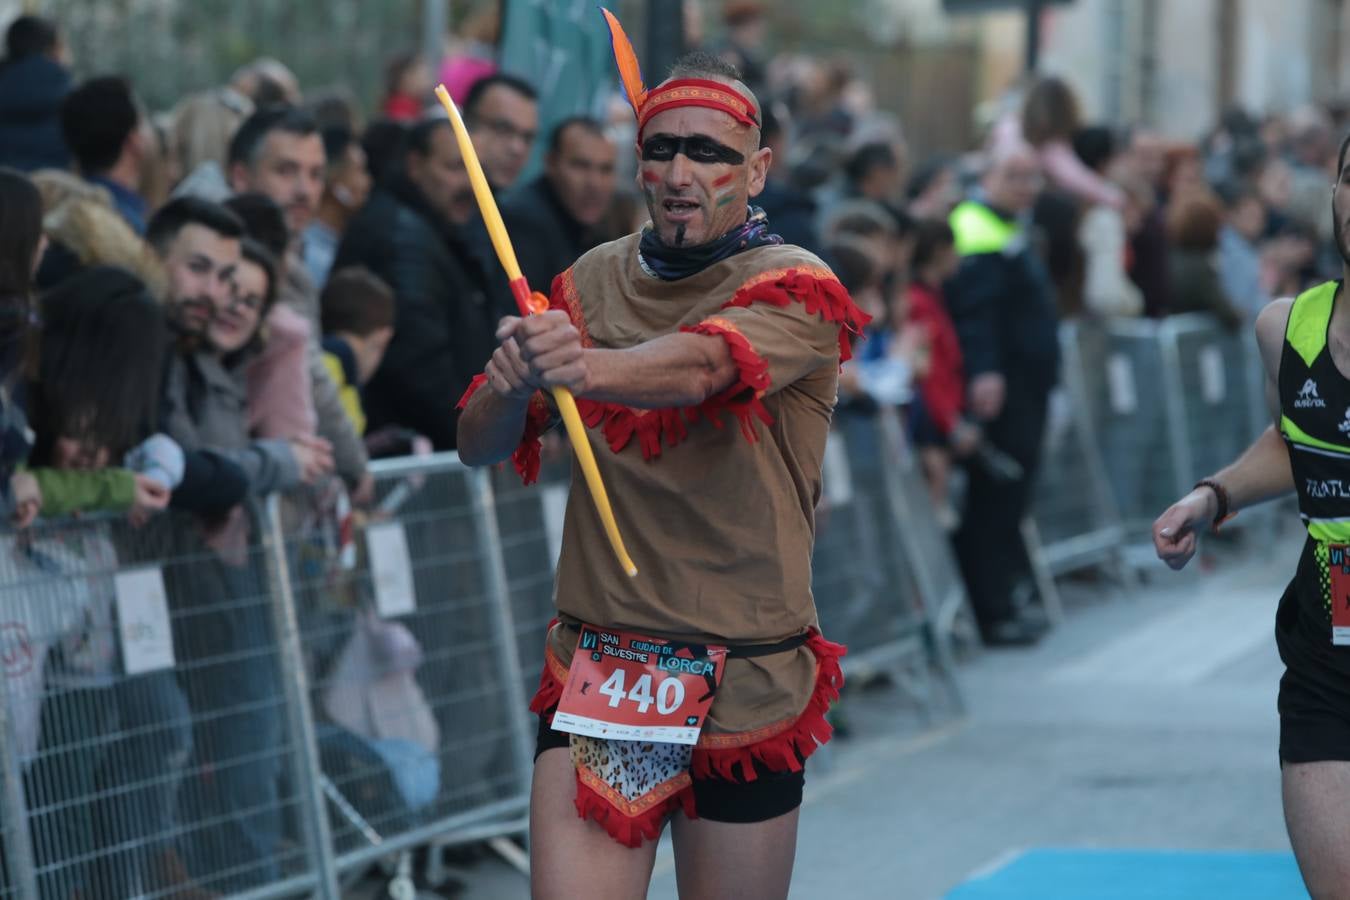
263, 706
1152, 406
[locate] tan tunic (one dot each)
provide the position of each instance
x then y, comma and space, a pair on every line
716, 503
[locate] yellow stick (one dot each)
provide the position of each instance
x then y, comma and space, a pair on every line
567, 405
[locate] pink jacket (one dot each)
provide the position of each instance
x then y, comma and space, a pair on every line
1067, 172
280, 393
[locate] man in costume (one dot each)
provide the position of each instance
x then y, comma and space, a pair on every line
703, 354
1305, 346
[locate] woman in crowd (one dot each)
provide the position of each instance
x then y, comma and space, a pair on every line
1193, 221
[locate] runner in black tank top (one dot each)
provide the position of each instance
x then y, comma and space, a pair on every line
1305, 347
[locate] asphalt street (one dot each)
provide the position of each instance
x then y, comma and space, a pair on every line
1145, 721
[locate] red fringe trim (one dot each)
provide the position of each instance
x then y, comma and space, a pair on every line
818, 290
478, 381
621, 424
538, 417
784, 752
631, 831
742, 399
549, 693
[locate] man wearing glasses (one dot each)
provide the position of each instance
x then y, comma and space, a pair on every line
502, 112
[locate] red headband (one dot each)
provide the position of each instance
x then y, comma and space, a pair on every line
696, 92
673, 94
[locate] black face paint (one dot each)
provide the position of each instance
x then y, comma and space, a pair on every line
679, 235
696, 148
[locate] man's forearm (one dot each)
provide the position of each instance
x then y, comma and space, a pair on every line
490, 427
1259, 474
675, 370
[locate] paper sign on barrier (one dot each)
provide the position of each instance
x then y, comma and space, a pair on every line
838, 480
1120, 384
391, 569
553, 505
143, 620
1213, 386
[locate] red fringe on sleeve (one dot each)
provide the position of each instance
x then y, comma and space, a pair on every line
817, 289
742, 398
538, 418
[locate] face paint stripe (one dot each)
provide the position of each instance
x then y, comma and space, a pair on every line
651, 178
697, 148
724, 180
726, 200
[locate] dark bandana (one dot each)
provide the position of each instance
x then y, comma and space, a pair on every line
673, 263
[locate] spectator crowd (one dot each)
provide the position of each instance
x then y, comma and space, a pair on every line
262, 289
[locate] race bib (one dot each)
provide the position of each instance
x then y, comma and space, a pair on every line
1338, 562
628, 687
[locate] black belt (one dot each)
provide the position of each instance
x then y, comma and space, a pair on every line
745, 651
749, 651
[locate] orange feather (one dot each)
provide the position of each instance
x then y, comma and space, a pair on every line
629, 71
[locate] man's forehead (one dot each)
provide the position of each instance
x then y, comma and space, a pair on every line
500, 98
198, 240
584, 142
280, 142
444, 145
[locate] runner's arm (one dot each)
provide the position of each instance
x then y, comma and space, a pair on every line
1261, 473
681, 369
674, 370
493, 422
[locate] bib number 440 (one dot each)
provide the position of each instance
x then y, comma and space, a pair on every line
668, 698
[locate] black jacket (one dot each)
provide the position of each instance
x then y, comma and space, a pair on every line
444, 322
546, 238
1003, 307
31, 91
792, 214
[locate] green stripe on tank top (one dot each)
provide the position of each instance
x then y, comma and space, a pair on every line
1330, 532
1308, 321
1299, 436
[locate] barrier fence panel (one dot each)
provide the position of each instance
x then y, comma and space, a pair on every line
1219, 384
864, 588
866, 573
941, 589
407, 634
147, 710
531, 519
1211, 423
17, 870
1077, 522
1126, 400
1153, 406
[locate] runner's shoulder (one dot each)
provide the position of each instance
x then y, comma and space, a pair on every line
1271, 324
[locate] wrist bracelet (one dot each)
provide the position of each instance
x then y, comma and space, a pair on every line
1222, 514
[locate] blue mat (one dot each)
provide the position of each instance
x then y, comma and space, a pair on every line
1138, 875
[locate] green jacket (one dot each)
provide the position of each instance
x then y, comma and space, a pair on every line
66, 491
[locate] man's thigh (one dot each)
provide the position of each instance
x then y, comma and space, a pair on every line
1317, 813
748, 861
572, 857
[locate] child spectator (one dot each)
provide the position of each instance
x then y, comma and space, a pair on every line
358, 322
940, 429
886, 364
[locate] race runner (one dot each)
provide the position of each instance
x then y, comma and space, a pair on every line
1305, 346
703, 353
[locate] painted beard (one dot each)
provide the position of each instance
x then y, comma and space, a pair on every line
679, 235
